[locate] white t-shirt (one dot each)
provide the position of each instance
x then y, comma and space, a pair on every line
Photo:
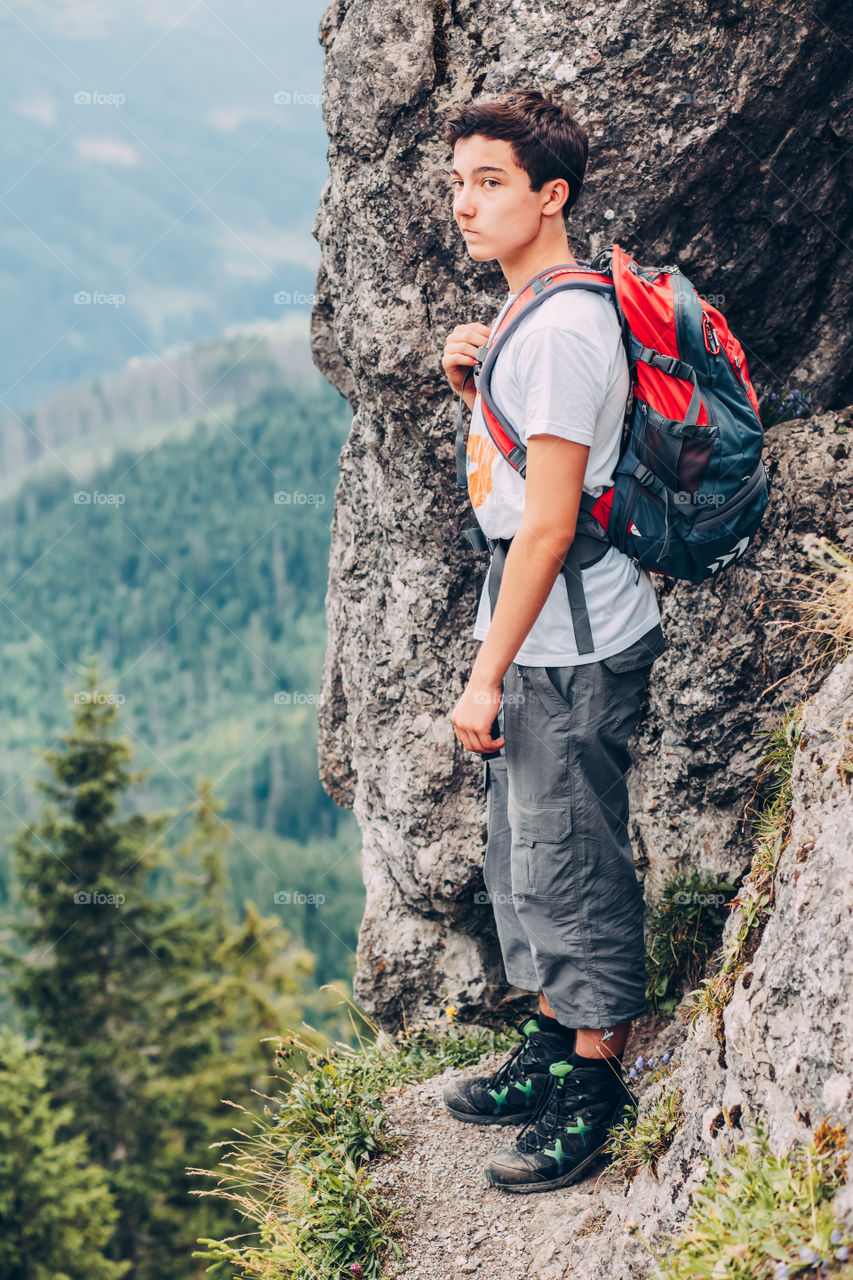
563, 372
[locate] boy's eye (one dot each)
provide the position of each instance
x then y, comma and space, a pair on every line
457, 182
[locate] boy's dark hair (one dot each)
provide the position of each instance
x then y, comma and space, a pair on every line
547, 142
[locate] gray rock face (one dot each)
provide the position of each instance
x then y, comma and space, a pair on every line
717, 136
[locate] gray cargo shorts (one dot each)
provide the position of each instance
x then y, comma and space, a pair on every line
559, 867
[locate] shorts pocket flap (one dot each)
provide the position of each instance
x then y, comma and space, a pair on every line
641, 653
548, 825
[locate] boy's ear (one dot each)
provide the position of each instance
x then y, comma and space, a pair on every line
559, 188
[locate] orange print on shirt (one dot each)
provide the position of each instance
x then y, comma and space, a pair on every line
482, 452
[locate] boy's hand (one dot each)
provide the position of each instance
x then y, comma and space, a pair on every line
474, 715
460, 352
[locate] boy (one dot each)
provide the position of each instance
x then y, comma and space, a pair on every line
559, 865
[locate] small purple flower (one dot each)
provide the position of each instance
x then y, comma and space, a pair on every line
808, 1255
835, 1238
651, 1062
357, 1270
665, 1057
640, 1063
781, 1272
633, 1073
843, 1253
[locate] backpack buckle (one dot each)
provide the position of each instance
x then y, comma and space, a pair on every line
644, 474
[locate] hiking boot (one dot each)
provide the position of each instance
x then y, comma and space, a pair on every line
570, 1130
511, 1094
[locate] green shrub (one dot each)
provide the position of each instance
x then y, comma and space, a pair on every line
684, 927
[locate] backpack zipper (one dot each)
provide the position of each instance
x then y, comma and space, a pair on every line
740, 371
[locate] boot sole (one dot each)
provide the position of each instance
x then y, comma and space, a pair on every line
565, 1180
469, 1119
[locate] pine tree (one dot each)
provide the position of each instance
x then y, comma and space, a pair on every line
56, 1211
149, 1005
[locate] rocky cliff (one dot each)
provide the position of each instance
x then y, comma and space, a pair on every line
719, 137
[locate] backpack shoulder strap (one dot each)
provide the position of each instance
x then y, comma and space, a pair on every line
555, 280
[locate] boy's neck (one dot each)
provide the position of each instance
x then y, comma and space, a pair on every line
535, 260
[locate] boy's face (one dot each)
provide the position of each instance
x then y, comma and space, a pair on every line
493, 204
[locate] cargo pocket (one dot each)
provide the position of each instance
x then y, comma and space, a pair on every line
541, 851
642, 653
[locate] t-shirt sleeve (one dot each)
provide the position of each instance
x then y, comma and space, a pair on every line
562, 377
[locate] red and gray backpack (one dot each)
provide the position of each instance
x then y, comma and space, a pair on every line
690, 488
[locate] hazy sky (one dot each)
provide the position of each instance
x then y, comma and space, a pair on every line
169, 155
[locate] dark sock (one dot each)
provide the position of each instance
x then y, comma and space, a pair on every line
553, 1026
582, 1061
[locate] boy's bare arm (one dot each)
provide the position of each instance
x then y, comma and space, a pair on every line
553, 487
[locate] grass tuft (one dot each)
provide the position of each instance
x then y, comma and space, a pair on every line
761, 1215
303, 1176
771, 829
